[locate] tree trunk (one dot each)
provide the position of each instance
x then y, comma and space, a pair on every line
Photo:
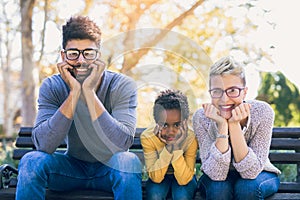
28, 111
8, 112
9, 106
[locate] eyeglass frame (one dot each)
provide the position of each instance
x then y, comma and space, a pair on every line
81, 52
225, 91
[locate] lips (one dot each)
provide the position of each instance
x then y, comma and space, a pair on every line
170, 138
81, 71
225, 110
226, 107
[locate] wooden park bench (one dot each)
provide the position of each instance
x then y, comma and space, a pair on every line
286, 142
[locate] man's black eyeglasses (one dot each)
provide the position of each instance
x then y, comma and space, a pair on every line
232, 92
88, 54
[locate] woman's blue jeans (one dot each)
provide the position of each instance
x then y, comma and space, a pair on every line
59, 172
235, 187
159, 191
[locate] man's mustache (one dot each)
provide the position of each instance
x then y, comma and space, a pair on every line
84, 65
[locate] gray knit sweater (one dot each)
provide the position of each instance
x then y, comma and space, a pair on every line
87, 140
258, 137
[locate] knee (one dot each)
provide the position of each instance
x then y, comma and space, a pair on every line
183, 193
32, 160
155, 196
125, 162
213, 189
31, 166
155, 191
246, 188
260, 187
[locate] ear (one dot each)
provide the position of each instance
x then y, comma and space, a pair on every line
245, 91
62, 55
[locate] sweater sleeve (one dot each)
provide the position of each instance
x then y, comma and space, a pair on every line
119, 127
157, 157
262, 115
183, 162
214, 163
51, 126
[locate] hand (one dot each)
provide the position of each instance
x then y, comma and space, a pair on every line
63, 68
94, 79
183, 135
213, 113
173, 145
157, 132
240, 112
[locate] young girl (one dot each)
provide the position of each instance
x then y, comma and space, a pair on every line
170, 149
234, 139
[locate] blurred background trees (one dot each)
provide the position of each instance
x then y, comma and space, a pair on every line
159, 43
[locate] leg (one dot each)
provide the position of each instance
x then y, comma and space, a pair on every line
265, 184
126, 176
184, 192
157, 191
215, 190
38, 170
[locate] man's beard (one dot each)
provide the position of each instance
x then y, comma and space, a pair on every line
78, 77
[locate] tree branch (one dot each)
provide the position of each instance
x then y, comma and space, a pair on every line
134, 59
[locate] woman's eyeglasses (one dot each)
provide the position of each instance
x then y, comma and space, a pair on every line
232, 92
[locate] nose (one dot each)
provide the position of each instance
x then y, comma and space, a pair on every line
172, 129
81, 59
224, 97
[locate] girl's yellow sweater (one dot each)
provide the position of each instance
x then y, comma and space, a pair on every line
159, 161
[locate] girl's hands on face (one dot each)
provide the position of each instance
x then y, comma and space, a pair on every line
177, 144
183, 135
157, 132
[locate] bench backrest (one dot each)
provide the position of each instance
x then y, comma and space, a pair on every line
282, 139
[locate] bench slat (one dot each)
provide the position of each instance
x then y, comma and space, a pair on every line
284, 196
289, 187
19, 153
283, 132
286, 132
277, 143
25, 131
289, 158
285, 144
26, 142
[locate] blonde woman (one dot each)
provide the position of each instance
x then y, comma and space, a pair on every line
234, 138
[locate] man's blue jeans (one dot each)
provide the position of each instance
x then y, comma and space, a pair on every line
59, 172
235, 187
159, 191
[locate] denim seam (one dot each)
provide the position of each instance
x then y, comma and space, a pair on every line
259, 187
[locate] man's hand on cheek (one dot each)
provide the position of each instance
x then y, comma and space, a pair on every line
94, 79
65, 70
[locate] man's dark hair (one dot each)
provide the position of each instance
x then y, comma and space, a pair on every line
81, 27
171, 99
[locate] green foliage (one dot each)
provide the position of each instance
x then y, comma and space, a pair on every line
283, 96
1, 131
288, 172
6, 154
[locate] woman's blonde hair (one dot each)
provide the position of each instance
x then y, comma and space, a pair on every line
226, 66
